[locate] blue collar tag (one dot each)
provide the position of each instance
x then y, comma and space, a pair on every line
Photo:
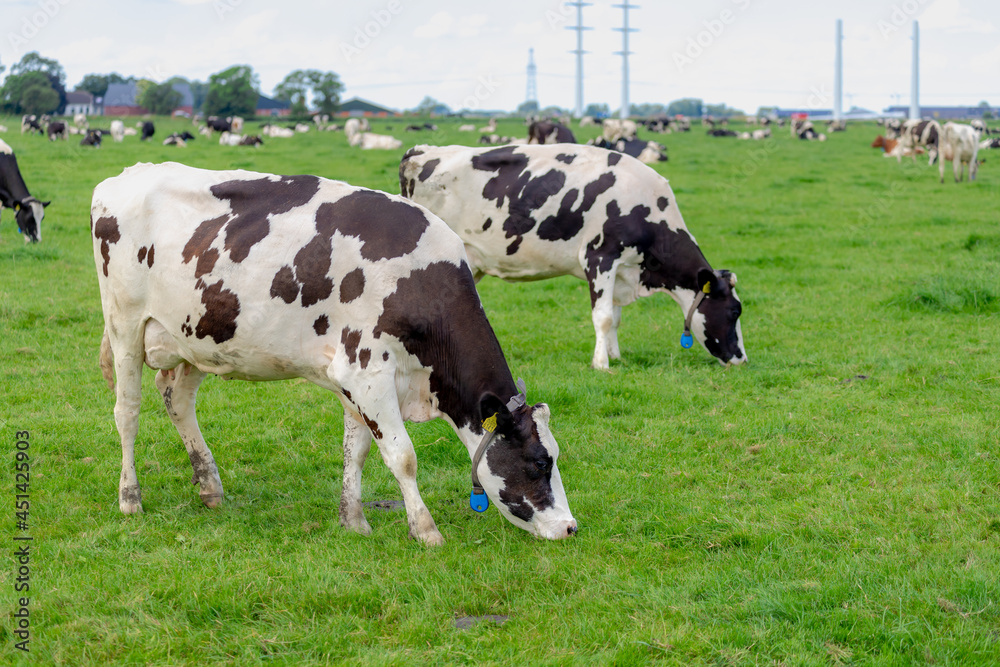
686, 340
478, 501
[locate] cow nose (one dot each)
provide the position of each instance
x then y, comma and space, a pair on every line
571, 529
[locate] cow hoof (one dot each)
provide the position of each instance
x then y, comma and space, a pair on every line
434, 539
361, 528
211, 500
130, 500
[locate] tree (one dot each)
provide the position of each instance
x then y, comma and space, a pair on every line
647, 109
39, 99
325, 87
97, 84
525, 108
33, 62
232, 92
986, 109
431, 107
597, 110
326, 91
722, 111
689, 106
160, 99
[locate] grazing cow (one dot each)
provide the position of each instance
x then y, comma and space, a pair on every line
29, 123
532, 212
28, 211
618, 128
216, 124
92, 138
721, 132
148, 129
58, 130
549, 132
915, 133
644, 151
263, 277
960, 145
80, 120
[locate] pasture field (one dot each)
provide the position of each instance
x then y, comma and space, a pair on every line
835, 501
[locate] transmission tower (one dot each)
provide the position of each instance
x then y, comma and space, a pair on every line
579, 28
624, 53
531, 94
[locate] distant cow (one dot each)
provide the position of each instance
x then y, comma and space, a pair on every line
29, 123
92, 138
117, 130
80, 120
618, 128
58, 130
989, 143
28, 211
148, 129
959, 144
178, 139
644, 151
721, 132
532, 212
915, 133
264, 277
251, 140
549, 132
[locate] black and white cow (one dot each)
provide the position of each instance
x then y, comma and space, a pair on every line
642, 150
549, 132
913, 134
532, 212
14, 194
148, 129
92, 138
57, 130
262, 277
29, 123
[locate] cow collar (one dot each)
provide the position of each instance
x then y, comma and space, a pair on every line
477, 499
686, 340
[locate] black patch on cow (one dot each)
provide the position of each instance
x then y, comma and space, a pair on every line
364, 356
284, 286
567, 222
206, 262
321, 325
565, 157
428, 169
106, 229
347, 395
512, 248
436, 314
222, 307
252, 202
372, 426
350, 340
142, 254
186, 327
352, 286
662, 203
386, 227
149, 256
312, 264
202, 238
613, 159
385, 356
487, 224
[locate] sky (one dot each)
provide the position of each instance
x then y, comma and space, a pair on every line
474, 55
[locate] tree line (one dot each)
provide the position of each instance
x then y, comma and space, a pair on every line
37, 85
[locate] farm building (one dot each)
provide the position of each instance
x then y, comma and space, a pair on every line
268, 107
119, 100
79, 101
359, 107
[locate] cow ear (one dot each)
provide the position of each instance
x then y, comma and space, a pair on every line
493, 413
46, 203
708, 282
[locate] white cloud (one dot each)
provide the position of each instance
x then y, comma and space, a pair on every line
438, 26
952, 17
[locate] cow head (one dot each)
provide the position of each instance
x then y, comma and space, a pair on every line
29, 216
518, 469
715, 321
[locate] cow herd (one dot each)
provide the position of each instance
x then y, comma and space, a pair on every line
373, 296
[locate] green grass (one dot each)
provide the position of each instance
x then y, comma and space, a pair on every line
835, 501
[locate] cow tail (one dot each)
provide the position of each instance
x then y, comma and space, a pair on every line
107, 361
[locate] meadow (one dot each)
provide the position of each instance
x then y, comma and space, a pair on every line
835, 501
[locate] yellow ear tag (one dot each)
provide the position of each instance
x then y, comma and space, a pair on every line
490, 424
707, 288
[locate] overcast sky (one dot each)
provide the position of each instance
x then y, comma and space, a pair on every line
745, 53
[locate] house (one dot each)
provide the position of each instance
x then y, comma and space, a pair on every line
268, 107
185, 107
359, 107
119, 100
80, 101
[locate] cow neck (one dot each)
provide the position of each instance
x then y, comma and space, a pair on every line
478, 499
11, 177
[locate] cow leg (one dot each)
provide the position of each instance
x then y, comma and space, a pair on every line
957, 171
179, 388
374, 397
128, 396
603, 314
613, 351
357, 444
